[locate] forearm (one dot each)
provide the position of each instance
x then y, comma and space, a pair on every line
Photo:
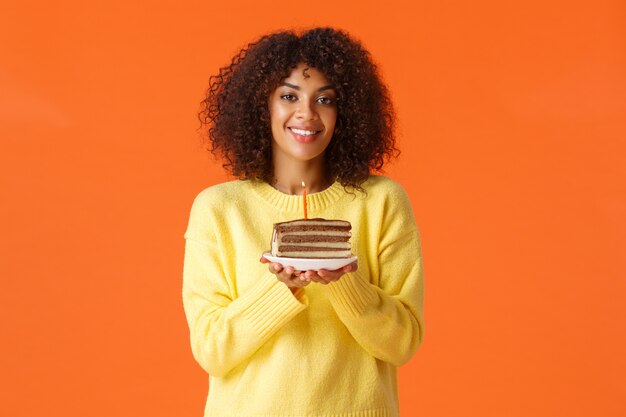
389, 328
224, 331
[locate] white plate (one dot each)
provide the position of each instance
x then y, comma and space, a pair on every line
306, 264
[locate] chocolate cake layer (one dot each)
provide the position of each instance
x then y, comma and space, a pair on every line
316, 255
307, 249
314, 238
312, 228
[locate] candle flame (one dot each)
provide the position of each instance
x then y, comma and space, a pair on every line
303, 184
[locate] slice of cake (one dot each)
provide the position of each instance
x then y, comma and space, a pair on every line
312, 238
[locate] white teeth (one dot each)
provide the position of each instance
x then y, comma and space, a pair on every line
303, 132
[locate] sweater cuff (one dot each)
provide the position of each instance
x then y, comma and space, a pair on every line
270, 305
352, 294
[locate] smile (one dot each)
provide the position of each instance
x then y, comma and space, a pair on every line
302, 132
304, 135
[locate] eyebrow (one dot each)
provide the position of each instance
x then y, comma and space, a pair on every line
295, 87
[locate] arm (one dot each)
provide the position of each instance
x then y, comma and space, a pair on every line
387, 320
225, 331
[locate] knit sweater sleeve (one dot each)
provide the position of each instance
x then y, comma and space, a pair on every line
387, 319
226, 330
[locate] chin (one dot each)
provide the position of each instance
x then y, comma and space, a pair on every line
306, 157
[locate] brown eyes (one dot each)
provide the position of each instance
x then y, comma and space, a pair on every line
321, 100
326, 100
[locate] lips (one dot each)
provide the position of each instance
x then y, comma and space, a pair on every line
304, 135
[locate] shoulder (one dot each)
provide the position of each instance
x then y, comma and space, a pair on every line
215, 196
389, 197
223, 189
391, 202
211, 205
381, 187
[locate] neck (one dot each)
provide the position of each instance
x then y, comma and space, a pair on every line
289, 175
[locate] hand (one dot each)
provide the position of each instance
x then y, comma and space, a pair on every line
289, 276
324, 276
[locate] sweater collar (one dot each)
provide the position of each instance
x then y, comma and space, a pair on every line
316, 202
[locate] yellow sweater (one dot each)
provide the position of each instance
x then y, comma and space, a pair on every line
327, 350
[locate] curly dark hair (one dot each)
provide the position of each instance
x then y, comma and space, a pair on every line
236, 109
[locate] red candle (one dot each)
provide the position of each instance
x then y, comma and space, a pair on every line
304, 201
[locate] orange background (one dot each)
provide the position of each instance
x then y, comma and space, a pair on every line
512, 127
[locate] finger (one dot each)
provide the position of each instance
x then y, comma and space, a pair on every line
275, 267
284, 275
310, 274
296, 282
315, 276
331, 275
352, 267
302, 283
319, 277
289, 280
263, 260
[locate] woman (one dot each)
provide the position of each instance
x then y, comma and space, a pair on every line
290, 109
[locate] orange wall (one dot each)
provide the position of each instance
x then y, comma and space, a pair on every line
513, 136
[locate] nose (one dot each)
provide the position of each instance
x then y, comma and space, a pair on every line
306, 111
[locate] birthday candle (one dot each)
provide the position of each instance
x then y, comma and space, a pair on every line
304, 201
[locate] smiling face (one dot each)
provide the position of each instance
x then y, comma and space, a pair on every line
303, 113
